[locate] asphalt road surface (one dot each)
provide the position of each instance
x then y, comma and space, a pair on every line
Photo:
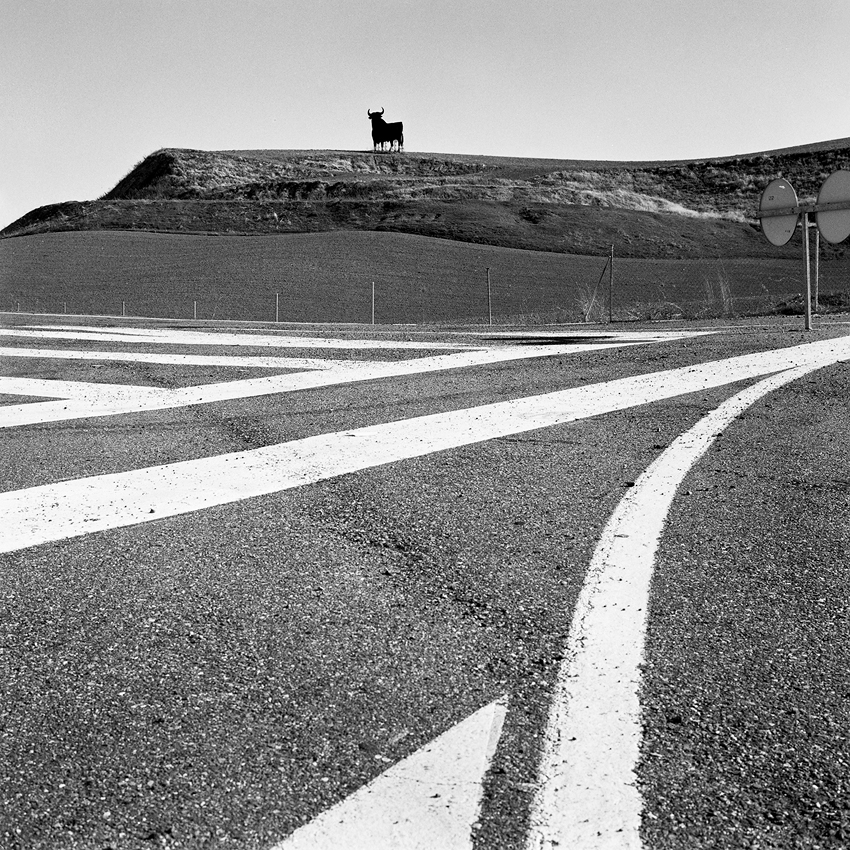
281, 587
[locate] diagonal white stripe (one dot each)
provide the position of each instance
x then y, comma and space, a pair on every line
228, 360
92, 399
71, 508
183, 337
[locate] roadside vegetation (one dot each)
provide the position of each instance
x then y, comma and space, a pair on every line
690, 209
230, 230
328, 277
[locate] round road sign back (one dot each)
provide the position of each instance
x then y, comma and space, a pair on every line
834, 225
778, 195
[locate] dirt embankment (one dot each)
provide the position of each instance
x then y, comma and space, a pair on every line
654, 210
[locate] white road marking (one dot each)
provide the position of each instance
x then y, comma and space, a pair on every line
581, 331
182, 337
228, 360
587, 795
92, 399
66, 509
176, 336
429, 800
89, 391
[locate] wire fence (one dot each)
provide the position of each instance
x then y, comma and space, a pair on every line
664, 289
411, 280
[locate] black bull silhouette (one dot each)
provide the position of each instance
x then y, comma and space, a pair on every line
383, 132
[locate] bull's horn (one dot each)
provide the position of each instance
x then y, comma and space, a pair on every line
382, 110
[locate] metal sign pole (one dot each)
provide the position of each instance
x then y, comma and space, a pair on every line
806, 260
817, 271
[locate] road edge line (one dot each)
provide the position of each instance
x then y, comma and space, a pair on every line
587, 794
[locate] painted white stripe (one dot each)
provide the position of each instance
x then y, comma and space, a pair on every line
91, 399
48, 333
183, 337
37, 515
228, 360
429, 800
581, 331
179, 337
89, 391
587, 796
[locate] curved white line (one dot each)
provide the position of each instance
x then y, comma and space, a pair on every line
587, 796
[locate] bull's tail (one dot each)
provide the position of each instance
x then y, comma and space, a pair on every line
401, 140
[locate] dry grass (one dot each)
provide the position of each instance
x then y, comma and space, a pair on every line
319, 226
648, 210
328, 277
726, 187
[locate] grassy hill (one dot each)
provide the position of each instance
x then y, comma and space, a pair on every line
228, 232
688, 209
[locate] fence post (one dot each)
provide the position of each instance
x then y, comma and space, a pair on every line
123, 309
373, 302
611, 287
489, 299
277, 306
194, 309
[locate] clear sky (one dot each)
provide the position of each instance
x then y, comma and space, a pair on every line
90, 87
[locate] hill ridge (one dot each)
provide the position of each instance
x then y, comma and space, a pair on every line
676, 208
